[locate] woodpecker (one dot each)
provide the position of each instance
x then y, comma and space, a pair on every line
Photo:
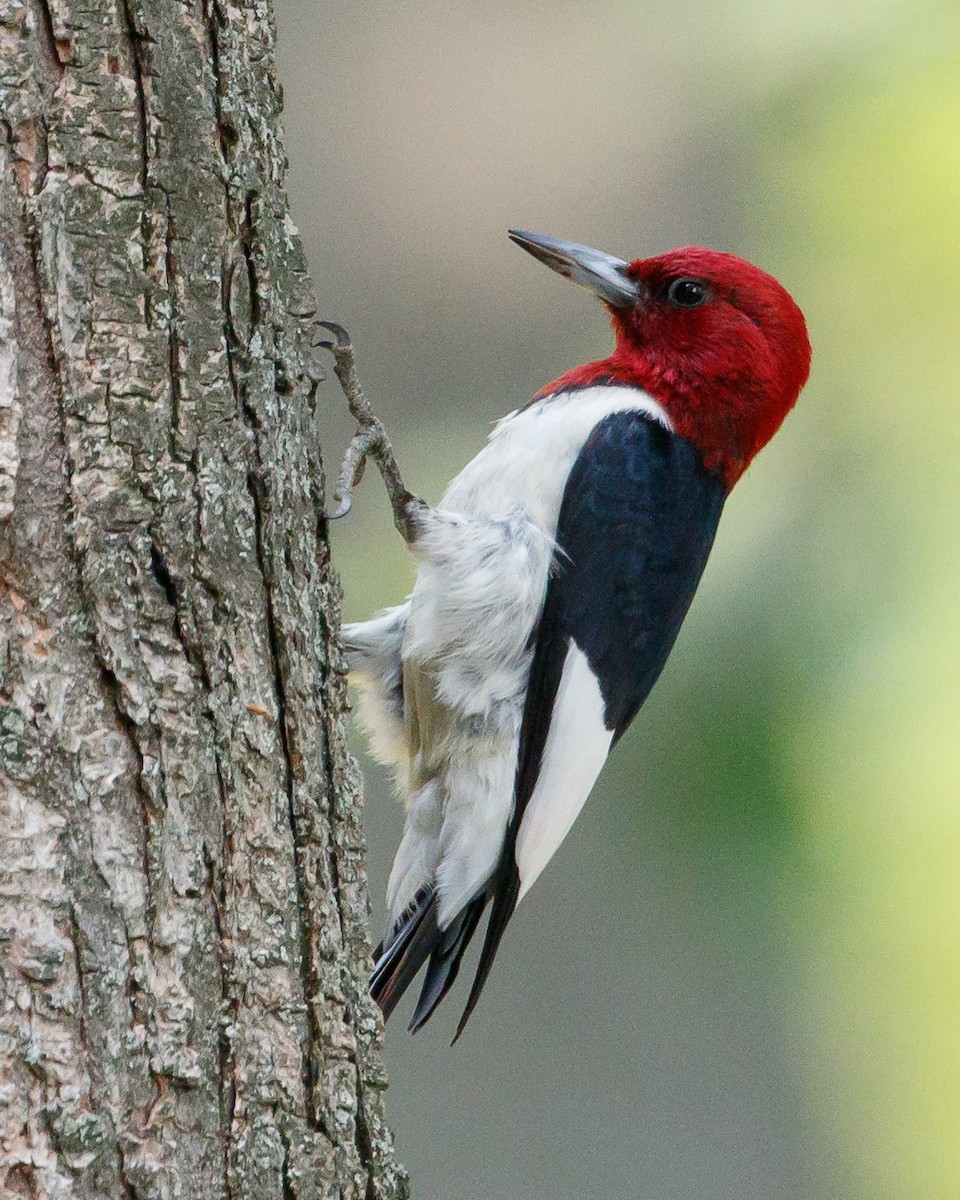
552, 580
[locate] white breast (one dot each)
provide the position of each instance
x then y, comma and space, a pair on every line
531, 452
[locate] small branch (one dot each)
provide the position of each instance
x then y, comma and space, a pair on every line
369, 441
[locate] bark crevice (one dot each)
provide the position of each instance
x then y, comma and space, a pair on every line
55, 50
135, 38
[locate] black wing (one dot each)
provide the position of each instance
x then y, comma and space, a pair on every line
636, 525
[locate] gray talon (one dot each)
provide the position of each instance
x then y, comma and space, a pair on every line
369, 441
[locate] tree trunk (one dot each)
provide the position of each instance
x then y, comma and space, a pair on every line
183, 909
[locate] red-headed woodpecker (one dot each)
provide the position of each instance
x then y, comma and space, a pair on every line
552, 581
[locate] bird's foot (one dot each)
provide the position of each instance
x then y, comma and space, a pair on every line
369, 441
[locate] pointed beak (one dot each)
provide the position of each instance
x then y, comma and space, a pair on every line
601, 273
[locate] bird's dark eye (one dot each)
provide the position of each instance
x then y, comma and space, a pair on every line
688, 293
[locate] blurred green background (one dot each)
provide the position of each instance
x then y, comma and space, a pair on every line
740, 978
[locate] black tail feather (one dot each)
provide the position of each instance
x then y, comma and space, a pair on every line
413, 940
445, 961
400, 932
504, 903
417, 937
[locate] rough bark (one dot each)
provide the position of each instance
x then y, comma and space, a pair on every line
183, 912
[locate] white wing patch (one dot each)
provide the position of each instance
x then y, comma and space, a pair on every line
576, 748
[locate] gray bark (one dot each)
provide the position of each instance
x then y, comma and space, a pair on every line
183, 909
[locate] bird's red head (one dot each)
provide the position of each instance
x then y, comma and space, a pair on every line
718, 342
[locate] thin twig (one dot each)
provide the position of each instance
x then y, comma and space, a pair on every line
369, 441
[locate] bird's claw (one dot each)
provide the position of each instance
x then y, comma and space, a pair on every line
369, 441
342, 341
340, 511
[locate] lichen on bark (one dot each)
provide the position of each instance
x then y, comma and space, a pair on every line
183, 910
